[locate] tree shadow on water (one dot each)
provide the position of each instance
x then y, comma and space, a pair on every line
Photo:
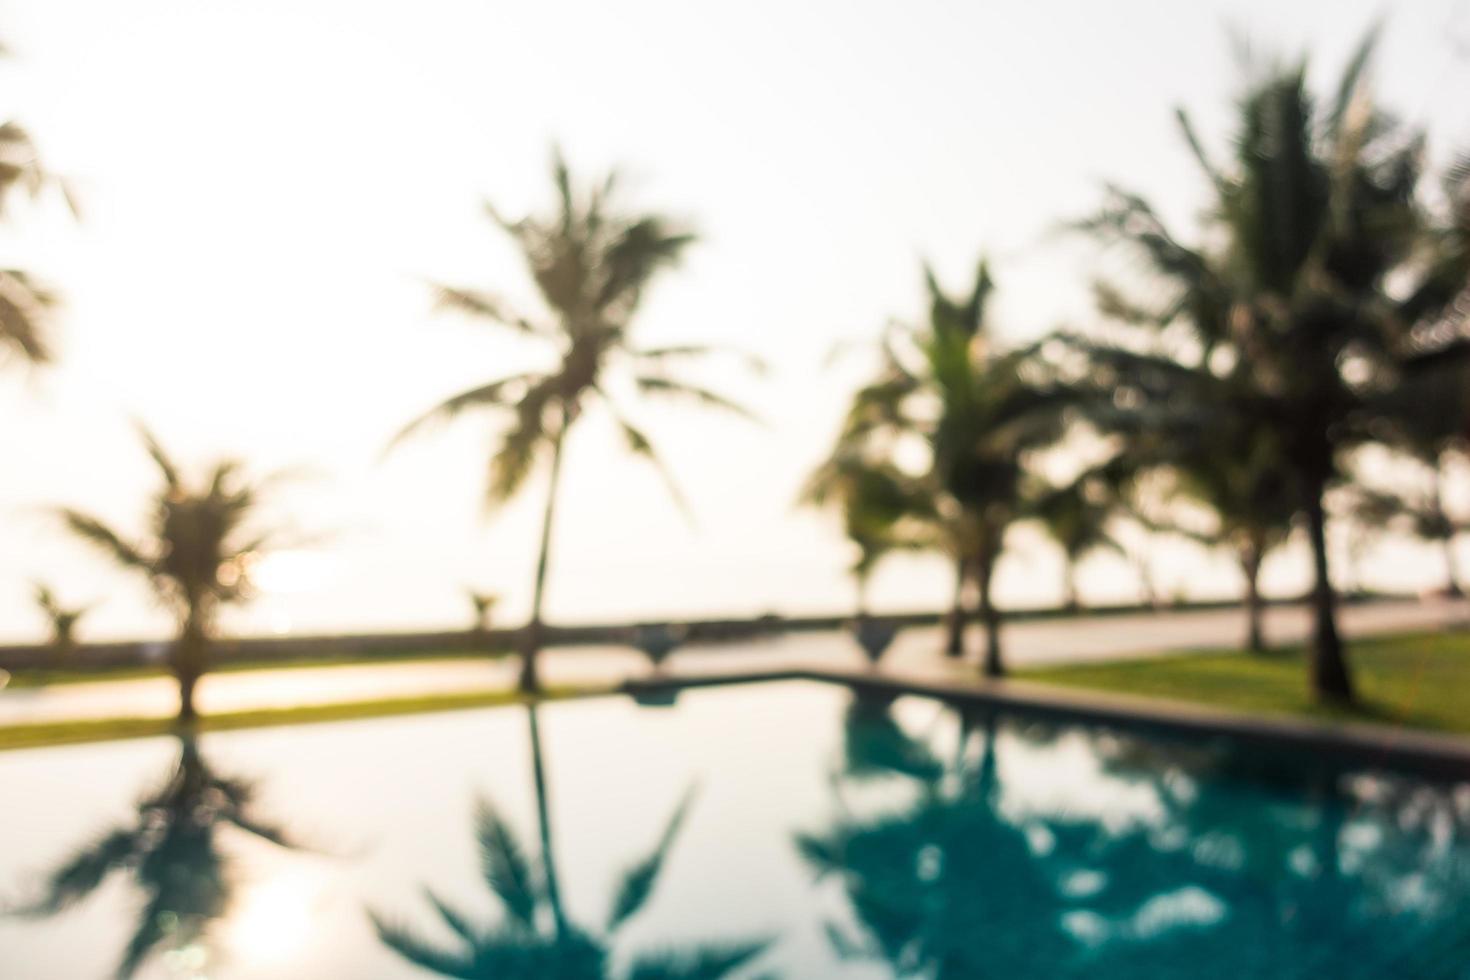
171, 852
533, 938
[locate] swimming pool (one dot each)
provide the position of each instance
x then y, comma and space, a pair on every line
786, 829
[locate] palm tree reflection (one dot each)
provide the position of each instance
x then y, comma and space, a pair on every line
171, 851
533, 937
1246, 867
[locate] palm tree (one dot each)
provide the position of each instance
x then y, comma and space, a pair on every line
196, 556
1214, 447
876, 500
483, 604
63, 620
534, 936
978, 412
25, 304
592, 264
1309, 221
172, 853
1078, 516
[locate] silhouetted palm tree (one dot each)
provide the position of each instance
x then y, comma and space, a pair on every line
1314, 214
1079, 516
533, 937
25, 304
592, 264
63, 620
949, 387
199, 543
171, 852
484, 604
876, 499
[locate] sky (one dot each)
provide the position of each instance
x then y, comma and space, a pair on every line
267, 187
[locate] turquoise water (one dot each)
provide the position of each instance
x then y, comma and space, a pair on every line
779, 830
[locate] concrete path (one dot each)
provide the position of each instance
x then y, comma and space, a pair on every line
915, 652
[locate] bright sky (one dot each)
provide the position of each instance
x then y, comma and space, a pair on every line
266, 185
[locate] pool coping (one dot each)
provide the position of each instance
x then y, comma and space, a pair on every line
1362, 743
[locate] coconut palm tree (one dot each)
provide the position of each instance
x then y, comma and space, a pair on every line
201, 538
877, 501
171, 851
592, 264
63, 620
1078, 516
483, 604
1289, 298
25, 303
1212, 445
978, 412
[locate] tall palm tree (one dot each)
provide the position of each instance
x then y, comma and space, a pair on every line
592, 264
62, 618
172, 853
978, 412
1213, 444
201, 538
1079, 516
1308, 222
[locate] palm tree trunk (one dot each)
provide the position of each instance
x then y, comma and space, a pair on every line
1329, 672
954, 644
1069, 585
188, 662
994, 666
543, 822
1452, 567
1250, 567
531, 640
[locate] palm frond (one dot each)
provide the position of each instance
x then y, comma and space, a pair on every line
24, 309
504, 864
497, 394
478, 303
160, 458
637, 882
80, 875
667, 387
640, 445
709, 962
420, 952
754, 362
100, 536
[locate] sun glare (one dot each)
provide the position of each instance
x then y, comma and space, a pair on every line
274, 917
283, 572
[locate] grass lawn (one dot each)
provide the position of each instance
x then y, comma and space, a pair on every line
104, 729
78, 674
1420, 680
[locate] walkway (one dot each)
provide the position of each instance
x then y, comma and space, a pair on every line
1032, 643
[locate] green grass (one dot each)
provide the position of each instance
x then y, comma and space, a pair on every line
1420, 680
106, 729
77, 674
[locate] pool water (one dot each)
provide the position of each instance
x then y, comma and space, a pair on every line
756, 831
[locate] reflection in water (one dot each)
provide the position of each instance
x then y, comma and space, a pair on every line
1238, 872
533, 937
172, 854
